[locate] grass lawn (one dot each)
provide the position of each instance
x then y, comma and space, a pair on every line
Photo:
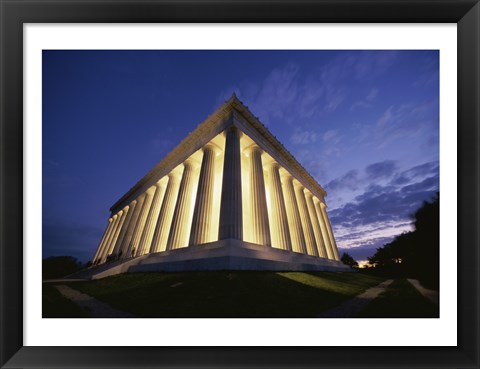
400, 300
227, 294
54, 305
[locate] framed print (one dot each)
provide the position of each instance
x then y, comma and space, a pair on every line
37, 39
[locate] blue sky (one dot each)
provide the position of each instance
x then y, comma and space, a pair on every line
365, 124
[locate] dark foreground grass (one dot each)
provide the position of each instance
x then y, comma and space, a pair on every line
227, 294
401, 300
54, 305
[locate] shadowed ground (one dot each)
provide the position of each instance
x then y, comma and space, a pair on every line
54, 305
401, 300
227, 294
354, 306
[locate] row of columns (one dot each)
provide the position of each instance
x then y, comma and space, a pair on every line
158, 219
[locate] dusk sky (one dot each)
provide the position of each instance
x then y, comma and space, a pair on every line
365, 124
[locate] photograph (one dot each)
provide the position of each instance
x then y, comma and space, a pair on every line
198, 184
240, 183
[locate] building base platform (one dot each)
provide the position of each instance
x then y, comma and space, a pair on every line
220, 255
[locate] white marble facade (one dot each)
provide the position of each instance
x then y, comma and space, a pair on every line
229, 179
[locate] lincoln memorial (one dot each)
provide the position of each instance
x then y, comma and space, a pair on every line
228, 197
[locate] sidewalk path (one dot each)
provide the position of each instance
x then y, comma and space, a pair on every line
429, 294
358, 303
63, 280
95, 308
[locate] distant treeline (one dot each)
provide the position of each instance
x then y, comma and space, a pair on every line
59, 266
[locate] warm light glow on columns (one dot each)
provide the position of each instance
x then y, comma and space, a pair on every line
152, 218
326, 239
296, 231
160, 237
123, 232
127, 241
201, 231
120, 230
103, 256
316, 227
260, 226
179, 231
329, 230
113, 244
231, 225
102, 242
142, 217
306, 223
278, 215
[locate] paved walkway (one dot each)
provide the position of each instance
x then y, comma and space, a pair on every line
432, 295
358, 303
63, 280
95, 308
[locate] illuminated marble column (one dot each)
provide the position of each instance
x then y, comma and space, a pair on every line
179, 232
279, 224
123, 232
118, 240
127, 240
202, 214
316, 226
152, 218
294, 220
323, 227
142, 218
329, 230
160, 237
103, 256
102, 242
261, 228
113, 243
306, 222
231, 225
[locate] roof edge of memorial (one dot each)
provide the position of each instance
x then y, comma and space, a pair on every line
217, 118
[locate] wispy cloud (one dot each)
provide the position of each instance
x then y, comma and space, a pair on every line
304, 137
285, 93
368, 64
429, 72
331, 136
381, 211
367, 101
383, 169
417, 172
350, 181
355, 179
407, 120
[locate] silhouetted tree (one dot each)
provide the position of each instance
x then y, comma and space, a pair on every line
416, 253
59, 266
426, 264
348, 260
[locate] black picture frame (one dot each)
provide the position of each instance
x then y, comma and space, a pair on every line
15, 13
